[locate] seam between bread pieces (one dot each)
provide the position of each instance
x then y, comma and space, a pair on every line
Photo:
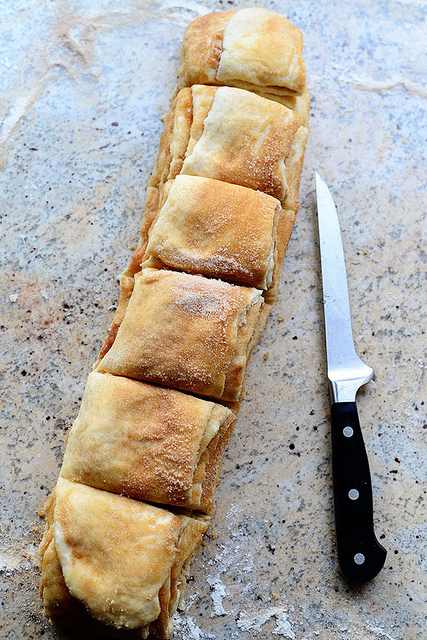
134, 266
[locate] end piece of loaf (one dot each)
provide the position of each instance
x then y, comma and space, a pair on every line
252, 49
116, 559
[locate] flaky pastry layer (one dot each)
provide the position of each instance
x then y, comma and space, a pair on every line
231, 135
117, 559
220, 204
252, 49
147, 443
218, 230
186, 332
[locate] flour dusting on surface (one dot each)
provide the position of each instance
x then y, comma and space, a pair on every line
189, 629
187, 602
387, 85
283, 626
379, 632
255, 620
218, 593
194, 7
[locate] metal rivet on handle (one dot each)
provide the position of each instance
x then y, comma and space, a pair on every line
348, 432
359, 558
353, 494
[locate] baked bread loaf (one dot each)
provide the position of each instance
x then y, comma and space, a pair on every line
253, 49
143, 456
219, 230
117, 559
147, 443
235, 136
186, 332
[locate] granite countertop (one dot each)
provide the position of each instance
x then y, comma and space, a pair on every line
84, 84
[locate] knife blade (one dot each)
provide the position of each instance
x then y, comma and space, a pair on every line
360, 555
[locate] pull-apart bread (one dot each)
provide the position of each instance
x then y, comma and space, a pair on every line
219, 230
253, 49
235, 136
238, 138
147, 443
186, 332
142, 460
119, 560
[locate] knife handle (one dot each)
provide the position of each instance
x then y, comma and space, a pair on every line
360, 555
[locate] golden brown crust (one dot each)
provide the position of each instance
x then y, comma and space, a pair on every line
253, 49
300, 104
174, 140
146, 442
202, 48
284, 231
216, 229
125, 292
126, 581
212, 458
54, 593
245, 140
221, 203
172, 149
185, 332
230, 135
294, 168
203, 99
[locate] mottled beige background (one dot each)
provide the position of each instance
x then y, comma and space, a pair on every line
83, 86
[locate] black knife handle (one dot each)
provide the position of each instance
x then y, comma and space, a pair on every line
360, 555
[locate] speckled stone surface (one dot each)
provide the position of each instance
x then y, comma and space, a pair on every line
83, 86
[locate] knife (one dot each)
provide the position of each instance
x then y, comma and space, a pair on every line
360, 555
